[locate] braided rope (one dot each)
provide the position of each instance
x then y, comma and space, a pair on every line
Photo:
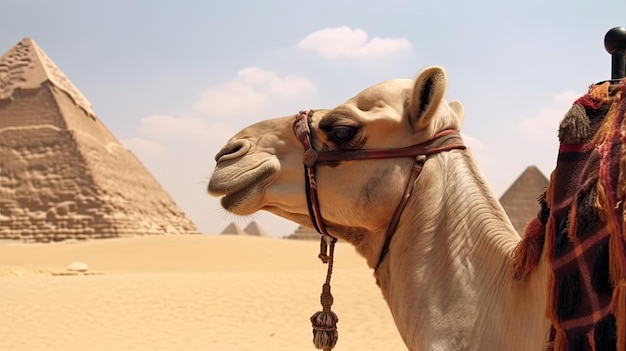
325, 321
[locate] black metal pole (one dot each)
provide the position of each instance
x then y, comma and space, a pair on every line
615, 44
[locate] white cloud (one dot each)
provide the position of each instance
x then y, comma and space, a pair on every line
252, 89
344, 41
169, 127
141, 146
546, 121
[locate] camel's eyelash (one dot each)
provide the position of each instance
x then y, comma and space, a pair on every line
335, 125
342, 134
354, 142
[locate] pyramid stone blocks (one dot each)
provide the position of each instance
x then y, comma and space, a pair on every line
520, 200
63, 174
304, 233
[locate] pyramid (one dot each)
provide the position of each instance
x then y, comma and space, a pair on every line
520, 199
63, 174
304, 233
254, 229
233, 229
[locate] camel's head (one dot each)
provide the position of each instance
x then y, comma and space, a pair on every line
261, 167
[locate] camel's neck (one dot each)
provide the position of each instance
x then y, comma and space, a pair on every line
447, 277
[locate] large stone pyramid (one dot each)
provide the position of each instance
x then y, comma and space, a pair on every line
520, 200
62, 172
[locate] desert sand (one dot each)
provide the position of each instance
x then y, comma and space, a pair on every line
202, 292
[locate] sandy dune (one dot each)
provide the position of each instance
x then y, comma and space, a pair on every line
184, 293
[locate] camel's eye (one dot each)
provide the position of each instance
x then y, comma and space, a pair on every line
342, 134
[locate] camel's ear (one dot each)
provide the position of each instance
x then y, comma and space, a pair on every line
457, 108
427, 94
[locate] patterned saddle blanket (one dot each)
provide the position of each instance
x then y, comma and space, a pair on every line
581, 225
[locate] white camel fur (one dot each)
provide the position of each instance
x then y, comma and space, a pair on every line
447, 277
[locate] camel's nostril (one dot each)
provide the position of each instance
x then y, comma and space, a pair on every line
233, 150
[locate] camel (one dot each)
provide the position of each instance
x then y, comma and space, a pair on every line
445, 268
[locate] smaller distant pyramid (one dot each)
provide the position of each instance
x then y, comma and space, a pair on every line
254, 229
304, 233
233, 229
520, 201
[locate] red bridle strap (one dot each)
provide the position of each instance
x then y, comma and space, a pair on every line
442, 141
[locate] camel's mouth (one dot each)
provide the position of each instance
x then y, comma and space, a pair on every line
242, 192
231, 200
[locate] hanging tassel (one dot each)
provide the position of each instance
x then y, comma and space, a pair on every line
560, 340
528, 251
605, 334
575, 127
569, 296
616, 266
324, 322
619, 310
601, 276
576, 343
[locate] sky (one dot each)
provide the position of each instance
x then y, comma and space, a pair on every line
174, 80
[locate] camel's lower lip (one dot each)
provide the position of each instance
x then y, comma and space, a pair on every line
230, 201
239, 192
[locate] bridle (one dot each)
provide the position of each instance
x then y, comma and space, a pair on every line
443, 141
325, 322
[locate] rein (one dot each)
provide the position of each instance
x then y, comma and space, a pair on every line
442, 141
